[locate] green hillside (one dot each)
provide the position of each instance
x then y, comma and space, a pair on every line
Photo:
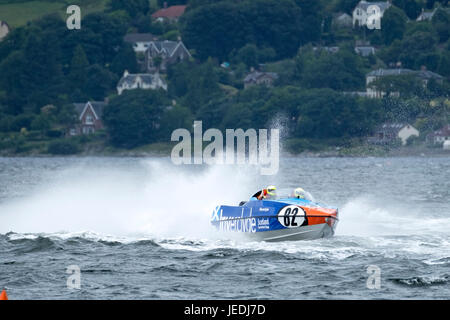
17, 13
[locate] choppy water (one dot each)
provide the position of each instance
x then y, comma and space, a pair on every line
139, 229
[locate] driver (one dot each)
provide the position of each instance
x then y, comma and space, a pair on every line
270, 193
299, 193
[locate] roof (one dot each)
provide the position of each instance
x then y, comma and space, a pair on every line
424, 74
139, 37
365, 50
426, 15
390, 72
392, 127
327, 49
131, 78
170, 12
168, 46
96, 105
364, 5
4, 29
255, 75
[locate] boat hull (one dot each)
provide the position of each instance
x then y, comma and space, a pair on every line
272, 221
312, 232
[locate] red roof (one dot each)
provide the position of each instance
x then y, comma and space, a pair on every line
170, 12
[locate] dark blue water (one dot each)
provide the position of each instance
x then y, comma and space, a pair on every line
138, 229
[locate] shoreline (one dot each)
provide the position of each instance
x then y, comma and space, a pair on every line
164, 150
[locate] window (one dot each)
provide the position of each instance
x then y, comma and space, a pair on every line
89, 119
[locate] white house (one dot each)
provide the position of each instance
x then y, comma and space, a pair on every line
342, 20
365, 9
4, 30
146, 81
406, 132
426, 15
446, 145
389, 132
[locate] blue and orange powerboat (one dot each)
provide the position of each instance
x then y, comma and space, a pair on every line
281, 219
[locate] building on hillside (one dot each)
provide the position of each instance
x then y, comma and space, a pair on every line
446, 145
4, 30
139, 41
426, 15
342, 20
439, 136
326, 49
388, 133
423, 75
365, 51
260, 78
365, 9
160, 54
169, 14
146, 81
89, 116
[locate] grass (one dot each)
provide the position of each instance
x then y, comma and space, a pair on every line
18, 13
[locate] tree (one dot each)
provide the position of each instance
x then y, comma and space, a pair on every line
339, 71
215, 30
134, 117
99, 82
125, 60
393, 24
324, 113
78, 68
441, 24
132, 7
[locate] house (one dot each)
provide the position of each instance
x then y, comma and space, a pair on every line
4, 30
144, 81
423, 75
160, 54
426, 16
446, 145
361, 13
365, 51
374, 75
342, 20
90, 116
139, 41
260, 78
439, 136
327, 49
388, 133
170, 14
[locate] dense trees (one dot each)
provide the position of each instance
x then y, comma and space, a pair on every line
265, 23
393, 24
321, 69
134, 117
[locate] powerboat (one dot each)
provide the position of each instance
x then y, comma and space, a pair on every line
281, 219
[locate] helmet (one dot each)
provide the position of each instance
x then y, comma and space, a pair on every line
299, 193
271, 191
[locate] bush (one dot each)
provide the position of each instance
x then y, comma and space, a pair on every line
53, 133
63, 147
